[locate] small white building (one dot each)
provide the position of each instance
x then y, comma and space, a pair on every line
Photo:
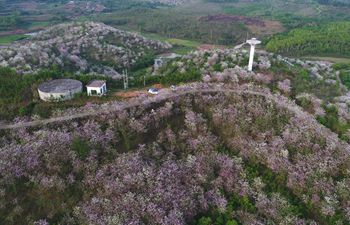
96, 88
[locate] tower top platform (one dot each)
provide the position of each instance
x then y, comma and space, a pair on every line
253, 41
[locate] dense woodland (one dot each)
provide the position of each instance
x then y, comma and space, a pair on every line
335, 2
168, 24
328, 39
10, 21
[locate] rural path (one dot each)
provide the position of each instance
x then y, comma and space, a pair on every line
239, 46
167, 95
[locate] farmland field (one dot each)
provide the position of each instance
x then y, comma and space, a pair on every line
11, 38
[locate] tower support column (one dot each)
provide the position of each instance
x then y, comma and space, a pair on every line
251, 57
252, 42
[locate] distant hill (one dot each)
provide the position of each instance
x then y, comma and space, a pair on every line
335, 2
168, 2
81, 47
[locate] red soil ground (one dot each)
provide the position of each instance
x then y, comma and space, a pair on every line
256, 25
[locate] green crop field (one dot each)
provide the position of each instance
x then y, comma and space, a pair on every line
11, 38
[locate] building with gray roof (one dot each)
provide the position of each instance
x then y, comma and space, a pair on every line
59, 90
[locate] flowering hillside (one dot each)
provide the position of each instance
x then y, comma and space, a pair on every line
80, 47
169, 2
188, 139
320, 87
215, 158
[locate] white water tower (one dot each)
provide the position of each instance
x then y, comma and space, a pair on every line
252, 43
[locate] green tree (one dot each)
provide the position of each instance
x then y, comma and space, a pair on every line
81, 147
205, 221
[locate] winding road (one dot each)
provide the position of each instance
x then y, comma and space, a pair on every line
166, 94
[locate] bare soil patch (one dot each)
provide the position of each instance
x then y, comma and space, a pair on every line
271, 27
129, 94
209, 47
255, 25
225, 18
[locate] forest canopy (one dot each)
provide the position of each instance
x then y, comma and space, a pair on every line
331, 39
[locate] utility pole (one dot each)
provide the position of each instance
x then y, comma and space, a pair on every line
125, 79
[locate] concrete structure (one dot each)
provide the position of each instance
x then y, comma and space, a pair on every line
96, 88
161, 60
252, 43
59, 90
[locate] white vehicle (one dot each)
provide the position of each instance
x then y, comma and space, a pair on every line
153, 91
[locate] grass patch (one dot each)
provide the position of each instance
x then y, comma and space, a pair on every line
81, 147
39, 24
180, 46
186, 43
329, 58
11, 38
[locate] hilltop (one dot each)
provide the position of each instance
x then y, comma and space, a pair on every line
243, 155
86, 47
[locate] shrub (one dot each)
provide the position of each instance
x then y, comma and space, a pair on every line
42, 109
345, 78
341, 66
177, 77
306, 104
205, 221
231, 222
331, 121
81, 147
217, 67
